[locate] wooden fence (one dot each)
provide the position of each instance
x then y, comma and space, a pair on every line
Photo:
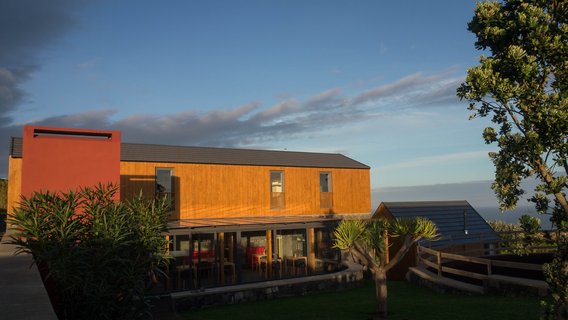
438, 261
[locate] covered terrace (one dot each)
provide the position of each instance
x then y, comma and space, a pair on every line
226, 251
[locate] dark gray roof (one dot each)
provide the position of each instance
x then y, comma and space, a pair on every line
450, 219
135, 152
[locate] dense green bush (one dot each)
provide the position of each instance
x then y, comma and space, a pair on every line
521, 237
100, 256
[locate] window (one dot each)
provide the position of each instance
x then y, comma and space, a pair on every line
326, 195
277, 190
164, 185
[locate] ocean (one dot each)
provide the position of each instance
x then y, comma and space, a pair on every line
493, 213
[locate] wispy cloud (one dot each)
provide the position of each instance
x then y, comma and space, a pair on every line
89, 64
254, 124
436, 160
387, 90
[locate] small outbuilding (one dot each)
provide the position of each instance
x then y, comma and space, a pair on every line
461, 229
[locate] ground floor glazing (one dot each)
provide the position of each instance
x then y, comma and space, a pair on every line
209, 257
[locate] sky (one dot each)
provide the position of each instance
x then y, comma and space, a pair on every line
374, 80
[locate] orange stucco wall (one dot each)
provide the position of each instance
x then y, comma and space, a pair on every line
63, 159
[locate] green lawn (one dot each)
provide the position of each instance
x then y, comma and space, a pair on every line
405, 302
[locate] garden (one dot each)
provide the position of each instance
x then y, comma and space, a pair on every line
405, 302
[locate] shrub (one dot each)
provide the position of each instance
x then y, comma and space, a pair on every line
100, 255
521, 237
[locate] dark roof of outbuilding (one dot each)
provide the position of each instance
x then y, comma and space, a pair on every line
451, 217
135, 152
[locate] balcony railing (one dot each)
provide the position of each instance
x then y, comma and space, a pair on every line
277, 200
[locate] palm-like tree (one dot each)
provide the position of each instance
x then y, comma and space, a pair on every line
366, 241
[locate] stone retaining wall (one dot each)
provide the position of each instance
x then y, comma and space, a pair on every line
346, 279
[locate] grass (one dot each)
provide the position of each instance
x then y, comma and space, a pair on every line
406, 302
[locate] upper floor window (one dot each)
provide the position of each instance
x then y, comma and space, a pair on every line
277, 190
326, 195
164, 185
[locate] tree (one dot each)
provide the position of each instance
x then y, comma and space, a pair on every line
97, 257
366, 242
523, 86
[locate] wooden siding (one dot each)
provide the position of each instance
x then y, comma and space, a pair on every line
222, 191
14, 182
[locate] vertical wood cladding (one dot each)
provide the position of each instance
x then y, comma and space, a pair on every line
14, 182
222, 191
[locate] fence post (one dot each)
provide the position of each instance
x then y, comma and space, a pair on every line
439, 258
489, 271
418, 262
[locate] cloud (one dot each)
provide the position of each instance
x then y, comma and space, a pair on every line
436, 160
253, 124
26, 27
89, 64
10, 92
389, 89
280, 109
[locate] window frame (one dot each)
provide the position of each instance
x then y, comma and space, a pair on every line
273, 204
172, 192
326, 197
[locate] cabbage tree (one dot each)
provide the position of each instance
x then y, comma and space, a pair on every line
366, 241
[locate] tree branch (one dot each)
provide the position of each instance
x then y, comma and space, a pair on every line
408, 242
514, 117
547, 177
363, 256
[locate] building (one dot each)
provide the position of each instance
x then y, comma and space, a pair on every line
237, 215
461, 228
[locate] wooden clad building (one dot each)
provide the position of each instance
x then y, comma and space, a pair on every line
230, 183
237, 215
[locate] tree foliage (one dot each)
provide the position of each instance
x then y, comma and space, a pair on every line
523, 86
366, 241
521, 237
100, 256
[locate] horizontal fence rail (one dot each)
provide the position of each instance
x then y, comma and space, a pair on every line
481, 269
435, 260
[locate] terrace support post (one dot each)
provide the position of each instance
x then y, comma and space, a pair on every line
238, 263
221, 241
269, 250
311, 250
439, 258
192, 267
231, 247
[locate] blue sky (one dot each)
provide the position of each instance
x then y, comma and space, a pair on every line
374, 80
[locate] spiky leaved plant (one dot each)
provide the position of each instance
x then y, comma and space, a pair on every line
365, 240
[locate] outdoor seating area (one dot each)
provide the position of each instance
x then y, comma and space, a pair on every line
211, 258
